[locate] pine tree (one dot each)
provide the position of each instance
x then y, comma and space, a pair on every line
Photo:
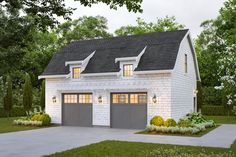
42, 96
27, 94
7, 98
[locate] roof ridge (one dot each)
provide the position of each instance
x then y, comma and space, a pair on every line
129, 36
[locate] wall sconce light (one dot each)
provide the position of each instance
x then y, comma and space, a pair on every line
54, 99
100, 99
154, 99
195, 91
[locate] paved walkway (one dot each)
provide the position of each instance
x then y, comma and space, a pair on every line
39, 142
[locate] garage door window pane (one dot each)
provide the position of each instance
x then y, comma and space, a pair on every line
70, 98
142, 98
85, 98
138, 98
120, 99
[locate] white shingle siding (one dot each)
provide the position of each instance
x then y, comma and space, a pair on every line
159, 84
183, 84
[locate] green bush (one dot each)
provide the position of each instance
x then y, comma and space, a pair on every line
44, 118
15, 112
214, 110
184, 122
157, 120
196, 118
170, 122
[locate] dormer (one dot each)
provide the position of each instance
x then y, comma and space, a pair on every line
128, 64
77, 67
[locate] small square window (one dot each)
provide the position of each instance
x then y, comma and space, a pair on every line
128, 70
76, 73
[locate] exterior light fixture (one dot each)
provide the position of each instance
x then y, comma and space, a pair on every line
100, 99
195, 91
154, 99
54, 99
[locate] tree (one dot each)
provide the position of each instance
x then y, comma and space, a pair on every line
27, 94
7, 99
86, 27
42, 96
45, 12
216, 47
161, 25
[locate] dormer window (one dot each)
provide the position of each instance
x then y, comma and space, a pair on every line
75, 72
128, 70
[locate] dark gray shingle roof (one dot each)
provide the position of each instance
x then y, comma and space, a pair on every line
160, 54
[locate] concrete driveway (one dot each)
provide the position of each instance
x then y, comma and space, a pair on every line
39, 142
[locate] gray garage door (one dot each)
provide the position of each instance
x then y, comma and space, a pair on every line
129, 110
77, 109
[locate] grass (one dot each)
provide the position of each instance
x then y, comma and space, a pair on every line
223, 119
7, 126
138, 149
191, 135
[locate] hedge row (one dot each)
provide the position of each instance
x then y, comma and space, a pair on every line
16, 112
213, 110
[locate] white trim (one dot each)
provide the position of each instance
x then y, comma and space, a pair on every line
101, 74
153, 72
125, 59
140, 55
52, 76
195, 57
73, 62
131, 58
81, 62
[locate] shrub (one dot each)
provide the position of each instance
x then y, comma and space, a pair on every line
170, 122
214, 110
27, 122
184, 122
196, 118
44, 118
173, 129
157, 120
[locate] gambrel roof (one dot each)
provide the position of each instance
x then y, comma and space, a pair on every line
160, 53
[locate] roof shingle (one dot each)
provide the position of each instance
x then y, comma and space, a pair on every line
160, 54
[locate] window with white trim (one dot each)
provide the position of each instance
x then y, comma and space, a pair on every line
128, 70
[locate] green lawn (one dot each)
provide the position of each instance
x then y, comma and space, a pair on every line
137, 149
7, 126
223, 119
191, 135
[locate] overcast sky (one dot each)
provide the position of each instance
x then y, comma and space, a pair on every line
188, 12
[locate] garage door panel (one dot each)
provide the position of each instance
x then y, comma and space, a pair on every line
120, 116
130, 115
75, 113
72, 118
85, 115
138, 116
